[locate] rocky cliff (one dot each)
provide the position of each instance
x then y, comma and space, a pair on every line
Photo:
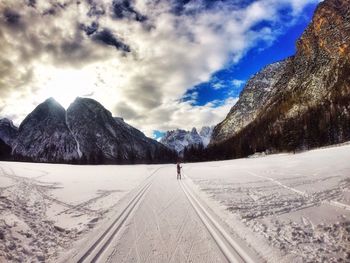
309, 105
257, 92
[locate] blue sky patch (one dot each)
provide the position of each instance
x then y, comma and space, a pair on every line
224, 83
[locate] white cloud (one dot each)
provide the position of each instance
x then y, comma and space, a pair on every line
218, 85
187, 116
46, 52
237, 83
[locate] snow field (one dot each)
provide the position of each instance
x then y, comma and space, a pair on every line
297, 204
46, 208
285, 207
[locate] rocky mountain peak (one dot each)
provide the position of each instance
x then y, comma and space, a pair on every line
327, 34
307, 103
100, 136
179, 139
88, 103
256, 93
43, 135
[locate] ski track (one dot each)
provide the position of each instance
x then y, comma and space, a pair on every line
168, 228
303, 194
231, 248
98, 249
42, 189
159, 224
167, 221
280, 184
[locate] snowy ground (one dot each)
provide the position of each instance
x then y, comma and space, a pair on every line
44, 208
296, 206
284, 208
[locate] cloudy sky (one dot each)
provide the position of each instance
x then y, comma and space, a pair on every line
159, 64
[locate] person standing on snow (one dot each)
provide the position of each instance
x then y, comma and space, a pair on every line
178, 167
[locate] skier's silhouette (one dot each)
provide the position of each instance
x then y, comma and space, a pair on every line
178, 167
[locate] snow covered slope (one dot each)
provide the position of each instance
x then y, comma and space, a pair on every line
287, 207
45, 208
296, 207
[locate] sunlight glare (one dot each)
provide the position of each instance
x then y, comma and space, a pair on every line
65, 85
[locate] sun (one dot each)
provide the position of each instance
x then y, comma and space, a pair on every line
65, 85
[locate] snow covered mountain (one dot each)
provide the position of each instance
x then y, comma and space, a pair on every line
85, 133
100, 136
299, 103
179, 139
44, 136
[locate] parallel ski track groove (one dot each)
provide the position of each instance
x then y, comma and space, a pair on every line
222, 239
125, 213
132, 207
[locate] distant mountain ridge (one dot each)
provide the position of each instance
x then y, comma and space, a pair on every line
180, 139
84, 133
307, 102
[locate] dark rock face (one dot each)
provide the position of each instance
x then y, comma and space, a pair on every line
309, 106
8, 131
5, 151
102, 138
43, 136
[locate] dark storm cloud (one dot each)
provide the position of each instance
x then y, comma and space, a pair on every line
11, 17
124, 9
96, 9
63, 42
106, 37
55, 8
91, 29
31, 3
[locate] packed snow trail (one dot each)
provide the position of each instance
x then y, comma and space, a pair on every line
232, 250
164, 227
